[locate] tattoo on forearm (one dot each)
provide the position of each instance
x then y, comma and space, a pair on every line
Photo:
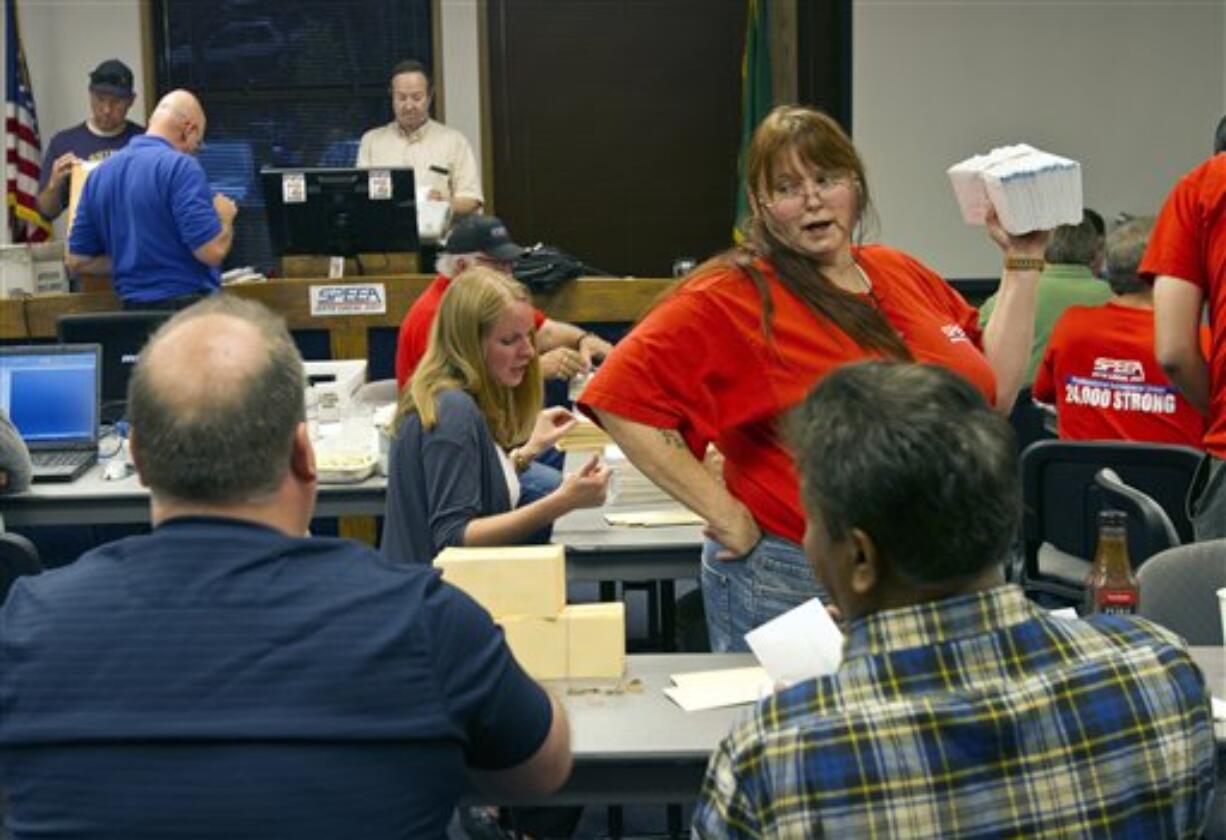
673, 438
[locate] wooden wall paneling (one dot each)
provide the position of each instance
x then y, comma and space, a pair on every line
615, 126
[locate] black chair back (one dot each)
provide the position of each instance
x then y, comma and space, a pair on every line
1150, 529
1062, 499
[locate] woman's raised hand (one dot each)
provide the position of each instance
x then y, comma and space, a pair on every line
551, 424
588, 487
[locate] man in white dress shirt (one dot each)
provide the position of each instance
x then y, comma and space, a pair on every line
441, 157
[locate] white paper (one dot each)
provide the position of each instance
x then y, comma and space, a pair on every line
702, 690
1219, 708
654, 518
799, 645
1064, 612
432, 216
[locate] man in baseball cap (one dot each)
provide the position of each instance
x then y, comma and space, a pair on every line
484, 240
111, 94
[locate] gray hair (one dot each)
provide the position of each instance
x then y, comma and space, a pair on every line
448, 264
229, 441
1125, 248
1074, 244
913, 456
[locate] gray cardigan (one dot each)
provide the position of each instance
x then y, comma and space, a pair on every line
440, 480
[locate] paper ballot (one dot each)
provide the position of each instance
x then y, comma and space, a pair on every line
701, 690
801, 644
654, 518
1030, 189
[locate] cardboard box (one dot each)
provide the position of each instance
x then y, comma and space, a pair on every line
586, 641
528, 580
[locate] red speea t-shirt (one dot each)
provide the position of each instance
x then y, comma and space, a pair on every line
699, 363
1189, 242
414, 335
1100, 372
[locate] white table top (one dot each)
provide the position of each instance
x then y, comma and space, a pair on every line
636, 552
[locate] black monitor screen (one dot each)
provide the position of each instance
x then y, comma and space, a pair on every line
122, 335
341, 212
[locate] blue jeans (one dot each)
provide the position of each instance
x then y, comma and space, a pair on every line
739, 595
1206, 501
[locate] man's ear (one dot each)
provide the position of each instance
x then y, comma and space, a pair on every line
302, 456
134, 449
866, 570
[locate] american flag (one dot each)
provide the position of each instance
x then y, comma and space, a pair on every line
23, 154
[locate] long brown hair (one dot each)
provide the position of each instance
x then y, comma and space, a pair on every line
818, 141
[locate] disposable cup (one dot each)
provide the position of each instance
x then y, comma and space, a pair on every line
1221, 602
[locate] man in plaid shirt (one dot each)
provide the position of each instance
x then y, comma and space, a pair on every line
960, 709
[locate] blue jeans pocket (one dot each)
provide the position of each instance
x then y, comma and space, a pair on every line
782, 580
725, 596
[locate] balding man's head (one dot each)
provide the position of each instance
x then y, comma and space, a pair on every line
179, 119
214, 401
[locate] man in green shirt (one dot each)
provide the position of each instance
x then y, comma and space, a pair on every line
1074, 257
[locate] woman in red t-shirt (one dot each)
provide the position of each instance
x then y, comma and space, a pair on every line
745, 337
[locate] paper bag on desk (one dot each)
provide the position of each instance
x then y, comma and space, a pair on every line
799, 645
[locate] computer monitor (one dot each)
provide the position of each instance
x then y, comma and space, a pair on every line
50, 392
341, 212
122, 335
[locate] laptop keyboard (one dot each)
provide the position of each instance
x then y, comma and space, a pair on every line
58, 459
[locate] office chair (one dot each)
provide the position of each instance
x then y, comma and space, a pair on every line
18, 557
1150, 529
1061, 500
1179, 590
1029, 420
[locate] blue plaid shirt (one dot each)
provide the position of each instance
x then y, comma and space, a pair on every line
976, 716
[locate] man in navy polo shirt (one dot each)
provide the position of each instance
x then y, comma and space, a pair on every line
227, 676
147, 218
106, 131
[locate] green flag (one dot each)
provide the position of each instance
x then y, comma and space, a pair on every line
756, 99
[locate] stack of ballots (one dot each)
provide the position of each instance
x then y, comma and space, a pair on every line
629, 485
1030, 189
524, 589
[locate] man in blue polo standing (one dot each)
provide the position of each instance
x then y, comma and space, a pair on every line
147, 217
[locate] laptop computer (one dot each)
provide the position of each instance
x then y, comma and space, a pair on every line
50, 392
122, 336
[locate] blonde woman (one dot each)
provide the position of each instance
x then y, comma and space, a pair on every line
469, 422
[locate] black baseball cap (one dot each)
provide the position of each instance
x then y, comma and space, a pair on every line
484, 234
111, 76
